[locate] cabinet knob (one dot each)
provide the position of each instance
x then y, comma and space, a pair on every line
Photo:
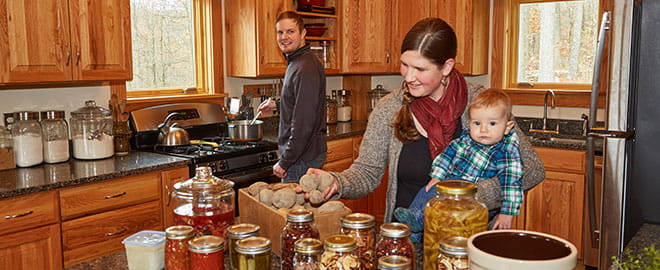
77, 58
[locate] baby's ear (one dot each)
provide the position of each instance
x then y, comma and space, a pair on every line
509, 126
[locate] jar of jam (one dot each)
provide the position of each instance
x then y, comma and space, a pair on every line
308, 254
395, 240
253, 253
361, 227
394, 262
299, 225
453, 212
235, 233
453, 254
176, 247
204, 202
207, 253
339, 253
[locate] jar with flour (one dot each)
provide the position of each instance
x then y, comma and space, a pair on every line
56, 136
91, 132
27, 139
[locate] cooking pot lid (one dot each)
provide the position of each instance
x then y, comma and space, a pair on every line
204, 184
91, 111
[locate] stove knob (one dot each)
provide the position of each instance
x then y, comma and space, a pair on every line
221, 165
263, 158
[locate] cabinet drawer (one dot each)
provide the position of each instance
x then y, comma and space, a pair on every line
100, 234
339, 149
562, 160
28, 211
107, 195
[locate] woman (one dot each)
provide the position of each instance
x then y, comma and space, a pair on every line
412, 125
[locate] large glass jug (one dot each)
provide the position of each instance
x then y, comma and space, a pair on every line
204, 202
91, 132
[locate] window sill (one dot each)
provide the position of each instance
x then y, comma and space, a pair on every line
136, 103
563, 98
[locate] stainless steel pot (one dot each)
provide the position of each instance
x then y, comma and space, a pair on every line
171, 135
241, 130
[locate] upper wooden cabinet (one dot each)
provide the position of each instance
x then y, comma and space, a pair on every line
374, 30
65, 40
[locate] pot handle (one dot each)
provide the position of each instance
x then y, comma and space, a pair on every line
166, 122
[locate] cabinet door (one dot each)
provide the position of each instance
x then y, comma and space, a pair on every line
405, 14
101, 32
34, 249
171, 177
34, 41
271, 60
366, 36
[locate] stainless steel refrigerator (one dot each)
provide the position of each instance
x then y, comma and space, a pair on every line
631, 154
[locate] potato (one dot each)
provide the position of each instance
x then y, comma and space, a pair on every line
309, 182
255, 188
266, 197
325, 181
284, 198
315, 197
331, 206
300, 198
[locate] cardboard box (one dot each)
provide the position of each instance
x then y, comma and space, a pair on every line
272, 221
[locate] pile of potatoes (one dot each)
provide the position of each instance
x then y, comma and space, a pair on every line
283, 196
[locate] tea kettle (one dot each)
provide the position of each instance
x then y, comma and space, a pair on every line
172, 135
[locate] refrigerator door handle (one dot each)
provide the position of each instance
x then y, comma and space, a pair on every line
601, 133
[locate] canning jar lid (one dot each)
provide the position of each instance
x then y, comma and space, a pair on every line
454, 245
299, 215
393, 262
179, 232
243, 230
52, 115
395, 230
91, 111
340, 243
309, 246
253, 245
204, 184
358, 221
25, 115
456, 187
206, 244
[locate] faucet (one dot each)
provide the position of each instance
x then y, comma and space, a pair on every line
545, 106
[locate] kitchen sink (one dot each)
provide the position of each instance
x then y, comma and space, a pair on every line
556, 139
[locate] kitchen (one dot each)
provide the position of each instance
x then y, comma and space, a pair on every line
362, 69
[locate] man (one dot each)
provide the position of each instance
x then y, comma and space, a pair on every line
302, 131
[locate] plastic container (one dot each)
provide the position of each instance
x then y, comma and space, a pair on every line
145, 250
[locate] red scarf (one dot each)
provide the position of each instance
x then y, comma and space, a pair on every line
439, 118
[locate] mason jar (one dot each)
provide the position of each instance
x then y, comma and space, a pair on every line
253, 253
299, 225
207, 253
339, 253
55, 136
394, 262
361, 227
395, 240
308, 254
28, 139
176, 247
235, 233
453, 254
91, 132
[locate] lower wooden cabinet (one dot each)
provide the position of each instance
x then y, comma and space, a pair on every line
32, 249
171, 177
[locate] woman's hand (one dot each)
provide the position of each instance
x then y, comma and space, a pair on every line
268, 105
329, 191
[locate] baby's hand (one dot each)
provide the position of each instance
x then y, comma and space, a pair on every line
432, 183
503, 222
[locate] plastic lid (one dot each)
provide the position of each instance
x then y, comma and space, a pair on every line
309, 246
179, 232
300, 215
395, 230
456, 187
206, 244
394, 262
243, 230
340, 243
455, 245
358, 221
145, 238
91, 111
204, 184
253, 245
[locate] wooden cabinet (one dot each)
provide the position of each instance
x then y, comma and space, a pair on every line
28, 211
169, 178
366, 36
32, 249
65, 40
405, 15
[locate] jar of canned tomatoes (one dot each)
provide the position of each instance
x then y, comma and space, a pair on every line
176, 247
207, 253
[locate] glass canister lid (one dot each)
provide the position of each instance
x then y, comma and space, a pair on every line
179, 232
454, 245
206, 244
394, 262
243, 230
253, 245
340, 243
395, 230
456, 187
91, 111
204, 185
300, 215
358, 221
378, 92
309, 246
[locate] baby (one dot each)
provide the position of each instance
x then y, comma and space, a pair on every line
489, 149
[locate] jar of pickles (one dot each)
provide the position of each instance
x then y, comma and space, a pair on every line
339, 253
235, 233
395, 240
361, 227
253, 253
176, 247
394, 262
453, 254
453, 212
308, 254
207, 253
299, 225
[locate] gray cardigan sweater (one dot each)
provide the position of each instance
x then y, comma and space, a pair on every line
380, 149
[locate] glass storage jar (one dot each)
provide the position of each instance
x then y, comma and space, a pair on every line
56, 136
91, 132
331, 110
253, 253
204, 202
361, 227
394, 262
339, 253
453, 254
27, 136
207, 253
395, 240
375, 95
452, 212
6, 150
235, 233
308, 254
122, 136
299, 225
176, 247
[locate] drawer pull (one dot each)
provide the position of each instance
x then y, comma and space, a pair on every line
114, 196
116, 233
20, 215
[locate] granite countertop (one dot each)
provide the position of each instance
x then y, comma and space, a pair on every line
335, 131
21, 181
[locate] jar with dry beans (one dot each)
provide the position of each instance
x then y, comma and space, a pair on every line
299, 225
253, 253
361, 227
339, 253
176, 247
207, 253
453, 254
308, 254
395, 240
235, 233
394, 262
